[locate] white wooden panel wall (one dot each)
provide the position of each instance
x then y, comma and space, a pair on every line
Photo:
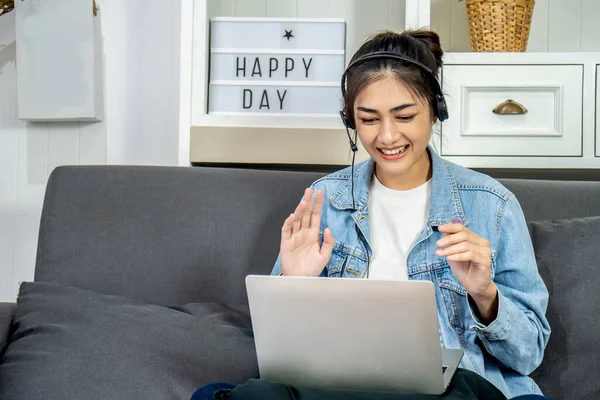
557, 25
9, 130
538, 36
141, 48
28, 153
590, 27
143, 79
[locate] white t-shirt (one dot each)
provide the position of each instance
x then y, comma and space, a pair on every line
396, 218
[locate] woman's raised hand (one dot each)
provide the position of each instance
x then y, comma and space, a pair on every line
301, 253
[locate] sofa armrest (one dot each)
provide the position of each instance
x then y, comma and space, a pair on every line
6, 315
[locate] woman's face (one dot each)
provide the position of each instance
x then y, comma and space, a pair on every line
395, 128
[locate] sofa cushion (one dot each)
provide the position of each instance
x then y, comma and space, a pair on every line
69, 343
6, 313
164, 235
569, 262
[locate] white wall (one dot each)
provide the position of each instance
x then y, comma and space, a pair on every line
141, 49
143, 81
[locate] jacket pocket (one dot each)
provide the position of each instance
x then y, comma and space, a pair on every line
337, 263
454, 297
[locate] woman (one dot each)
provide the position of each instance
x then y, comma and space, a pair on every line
407, 214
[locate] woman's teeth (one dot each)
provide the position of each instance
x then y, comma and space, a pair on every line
395, 151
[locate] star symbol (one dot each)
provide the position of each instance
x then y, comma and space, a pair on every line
288, 34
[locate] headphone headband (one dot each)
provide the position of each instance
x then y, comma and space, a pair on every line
440, 103
382, 54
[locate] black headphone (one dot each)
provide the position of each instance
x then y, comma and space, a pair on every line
439, 107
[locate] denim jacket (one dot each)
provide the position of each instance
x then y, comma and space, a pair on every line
509, 348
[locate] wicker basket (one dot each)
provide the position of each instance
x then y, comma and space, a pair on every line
499, 25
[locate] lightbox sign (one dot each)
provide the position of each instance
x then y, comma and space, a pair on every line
276, 66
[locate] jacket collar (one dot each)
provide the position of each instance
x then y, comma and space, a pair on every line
445, 204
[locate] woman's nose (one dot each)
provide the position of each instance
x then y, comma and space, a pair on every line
386, 131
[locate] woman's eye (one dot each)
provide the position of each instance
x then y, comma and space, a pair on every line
406, 118
368, 121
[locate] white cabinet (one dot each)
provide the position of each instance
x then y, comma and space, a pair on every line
513, 110
551, 104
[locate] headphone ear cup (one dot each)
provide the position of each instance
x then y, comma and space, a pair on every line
442, 109
348, 127
345, 120
349, 124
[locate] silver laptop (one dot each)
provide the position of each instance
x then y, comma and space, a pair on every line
349, 334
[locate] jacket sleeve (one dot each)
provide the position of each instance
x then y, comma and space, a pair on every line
518, 336
277, 267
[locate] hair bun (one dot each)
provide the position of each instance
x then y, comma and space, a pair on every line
432, 40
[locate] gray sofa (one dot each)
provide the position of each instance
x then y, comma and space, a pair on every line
141, 240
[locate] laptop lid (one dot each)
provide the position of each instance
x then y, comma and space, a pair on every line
347, 333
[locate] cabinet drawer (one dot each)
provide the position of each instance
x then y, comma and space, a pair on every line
538, 110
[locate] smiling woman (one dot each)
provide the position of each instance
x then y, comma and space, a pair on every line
408, 214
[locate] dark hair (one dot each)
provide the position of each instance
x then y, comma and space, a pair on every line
421, 45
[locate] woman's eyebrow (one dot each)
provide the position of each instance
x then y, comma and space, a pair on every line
402, 107
367, 110
395, 109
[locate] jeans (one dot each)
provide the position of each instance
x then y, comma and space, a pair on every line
465, 385
207, 392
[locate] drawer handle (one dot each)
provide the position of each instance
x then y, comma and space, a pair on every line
510, 107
